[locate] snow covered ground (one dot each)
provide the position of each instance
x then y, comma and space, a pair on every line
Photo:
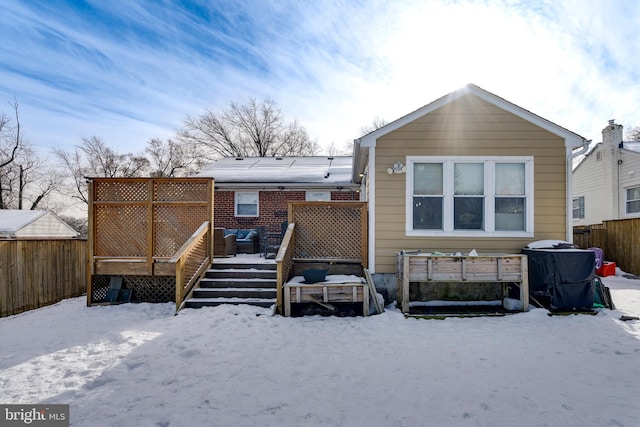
139, 365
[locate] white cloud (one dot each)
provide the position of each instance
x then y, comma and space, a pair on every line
332, 65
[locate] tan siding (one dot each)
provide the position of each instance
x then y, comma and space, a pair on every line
467, 127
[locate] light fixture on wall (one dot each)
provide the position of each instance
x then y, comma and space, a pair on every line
397, 167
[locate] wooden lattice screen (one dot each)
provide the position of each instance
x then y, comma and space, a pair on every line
330, 230
137, 223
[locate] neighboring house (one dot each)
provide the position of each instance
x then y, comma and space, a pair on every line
23, 224
467, 171
255, 191
606, 181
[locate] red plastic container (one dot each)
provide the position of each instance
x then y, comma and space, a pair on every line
608, 269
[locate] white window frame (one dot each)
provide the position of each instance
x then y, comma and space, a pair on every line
256, 194
626, 202
579, 198
317, 196
489, 196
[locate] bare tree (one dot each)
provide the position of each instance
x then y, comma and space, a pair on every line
78, 224
347, 148
375, 124
633, 134
26, 180
9, 137
252, 129
171, 159
93, 158
9, 143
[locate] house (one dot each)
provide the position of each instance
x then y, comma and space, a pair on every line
32, 224
606, 181
468, 171
255, 191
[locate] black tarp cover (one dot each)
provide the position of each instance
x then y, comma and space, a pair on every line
564, 275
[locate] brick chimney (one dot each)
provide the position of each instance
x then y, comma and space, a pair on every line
612, 135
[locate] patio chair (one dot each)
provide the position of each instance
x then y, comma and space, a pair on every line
223, 246
273, 240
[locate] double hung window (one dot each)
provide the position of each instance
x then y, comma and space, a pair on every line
578, 208
246, 203
633, 200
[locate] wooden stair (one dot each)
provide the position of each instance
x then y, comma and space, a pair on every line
236, 283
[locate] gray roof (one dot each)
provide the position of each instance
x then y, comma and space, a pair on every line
316, 170
16, 223
12, 220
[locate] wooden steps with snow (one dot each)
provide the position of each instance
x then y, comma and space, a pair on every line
236, 283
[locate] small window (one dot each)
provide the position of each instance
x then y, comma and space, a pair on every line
318, 196
247, 204
578, 208
633, 200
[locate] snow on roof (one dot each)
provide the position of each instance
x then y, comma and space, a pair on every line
315, 170
12, 220
631, 146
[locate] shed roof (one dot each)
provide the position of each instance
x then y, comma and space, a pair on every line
16, 223
12, 220
312, 170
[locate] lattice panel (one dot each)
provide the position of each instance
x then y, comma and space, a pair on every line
99, 288
121, 231
152, 288
328, 232
180, 191
145, 288
173, 227
120, 191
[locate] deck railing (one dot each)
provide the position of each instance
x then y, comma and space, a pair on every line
191, 261
284, 263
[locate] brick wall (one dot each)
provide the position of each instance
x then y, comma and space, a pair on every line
273, 208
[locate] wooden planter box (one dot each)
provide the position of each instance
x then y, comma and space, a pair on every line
326, 293
484, 268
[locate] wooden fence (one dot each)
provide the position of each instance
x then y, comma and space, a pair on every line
36, 273
618, 239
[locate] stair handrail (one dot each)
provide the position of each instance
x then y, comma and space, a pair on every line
192, 261
284, 263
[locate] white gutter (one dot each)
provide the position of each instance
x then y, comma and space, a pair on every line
569, 166
371, 200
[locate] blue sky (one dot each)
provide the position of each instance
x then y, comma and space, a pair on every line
131, 70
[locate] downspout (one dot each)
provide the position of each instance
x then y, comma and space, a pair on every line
572, 155
585, 147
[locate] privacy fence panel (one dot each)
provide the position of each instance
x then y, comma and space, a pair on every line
330, 230
619, 240
137, 226
36, 273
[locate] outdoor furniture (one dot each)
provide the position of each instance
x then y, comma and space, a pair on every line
223, 246
246, 240
270, 241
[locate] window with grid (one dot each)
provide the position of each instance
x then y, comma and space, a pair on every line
246, 204
470, 196
578, 208
633, 200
